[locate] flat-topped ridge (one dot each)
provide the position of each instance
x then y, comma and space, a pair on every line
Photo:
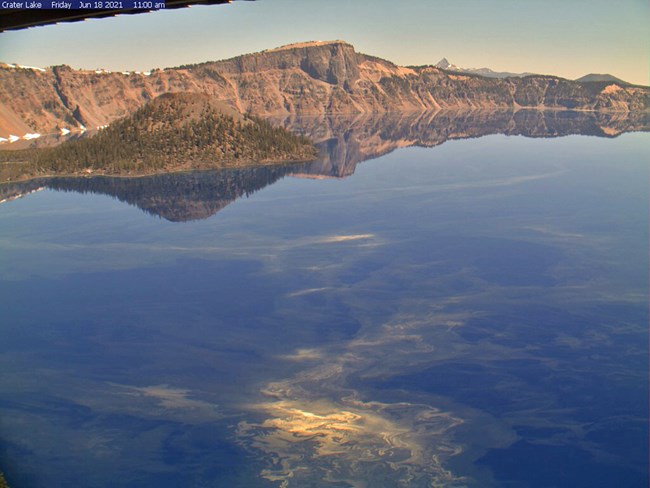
301, 45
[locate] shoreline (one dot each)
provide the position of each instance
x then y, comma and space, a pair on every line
7, 146
101, 173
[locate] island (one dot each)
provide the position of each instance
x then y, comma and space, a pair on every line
173, 132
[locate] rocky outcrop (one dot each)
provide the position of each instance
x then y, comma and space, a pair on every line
306, 78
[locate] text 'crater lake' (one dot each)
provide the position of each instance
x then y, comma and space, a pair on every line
446, 299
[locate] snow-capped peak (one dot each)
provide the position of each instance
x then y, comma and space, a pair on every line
443, 63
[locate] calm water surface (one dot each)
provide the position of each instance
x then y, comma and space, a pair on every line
474, 314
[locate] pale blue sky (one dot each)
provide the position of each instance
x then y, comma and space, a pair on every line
569, 38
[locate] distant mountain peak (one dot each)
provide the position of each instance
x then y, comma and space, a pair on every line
486, 72
443, 64
595, 77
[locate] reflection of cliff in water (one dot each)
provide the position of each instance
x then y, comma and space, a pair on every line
344, 142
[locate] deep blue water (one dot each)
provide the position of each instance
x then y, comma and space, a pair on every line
475, 314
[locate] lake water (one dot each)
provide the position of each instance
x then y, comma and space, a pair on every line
469, 314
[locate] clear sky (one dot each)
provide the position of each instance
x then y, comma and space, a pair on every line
568, 38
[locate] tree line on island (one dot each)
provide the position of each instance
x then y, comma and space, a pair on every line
173, 132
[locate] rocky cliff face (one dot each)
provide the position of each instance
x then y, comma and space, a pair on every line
306, 78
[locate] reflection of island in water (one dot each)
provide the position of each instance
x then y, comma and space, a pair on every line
344, 142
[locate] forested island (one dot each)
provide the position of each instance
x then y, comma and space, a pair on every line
174, 132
